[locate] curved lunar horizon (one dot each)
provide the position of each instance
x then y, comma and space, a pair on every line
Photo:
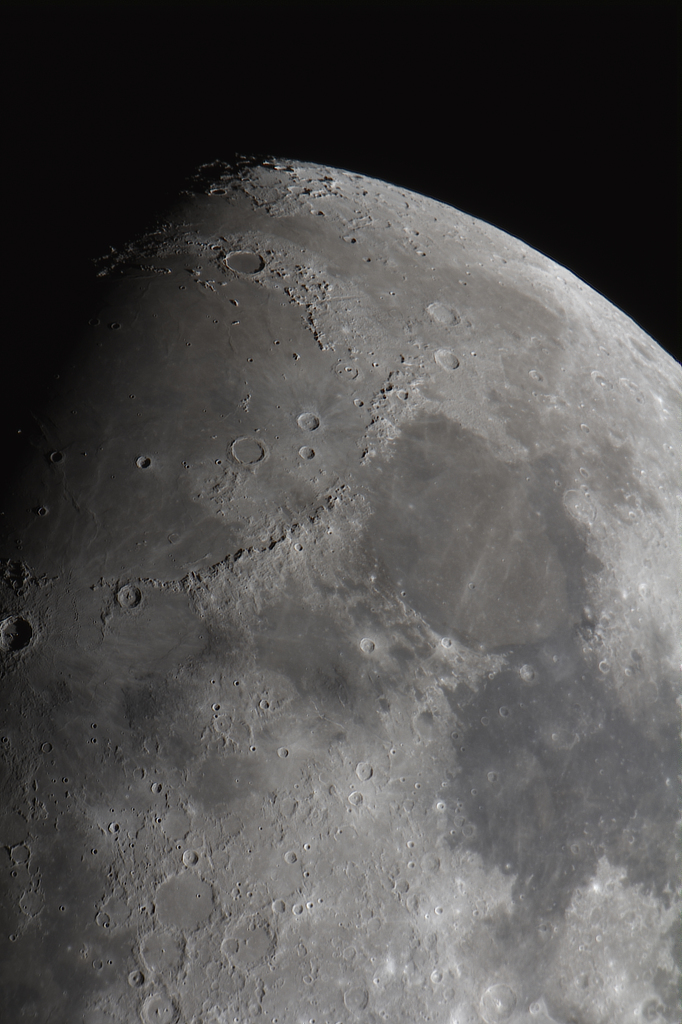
340, 630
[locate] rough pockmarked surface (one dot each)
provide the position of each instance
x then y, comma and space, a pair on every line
340, 632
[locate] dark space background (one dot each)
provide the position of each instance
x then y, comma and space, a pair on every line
557, 122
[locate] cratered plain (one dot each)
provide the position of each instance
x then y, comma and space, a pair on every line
340, 630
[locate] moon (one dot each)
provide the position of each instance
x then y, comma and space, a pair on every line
340, 630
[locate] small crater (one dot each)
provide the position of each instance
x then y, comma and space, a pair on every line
15, 633
527, 673
446, 358
162, 952
183, 901
290, 857
356, 998
244, 262
136, 979
306, 453
56, 457
367, 645
247, 451
278, 907
308, 421
498, 1004
364, 771
190, 858
430, 862
114, 828
629, 387
535, 375
129, 596
580, 507
355, 799
601, 381
160, 1009
282, 752
442, 314
347, 370
143, 462
653, 1011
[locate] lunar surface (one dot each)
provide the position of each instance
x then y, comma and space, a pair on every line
340, 631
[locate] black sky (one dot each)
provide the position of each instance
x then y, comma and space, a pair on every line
556, 122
